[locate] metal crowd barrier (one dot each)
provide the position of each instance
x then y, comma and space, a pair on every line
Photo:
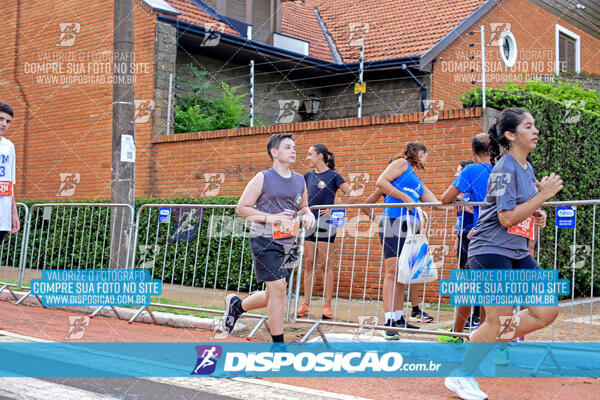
76, 236
356, 258
578, 245
200, 252
11, 254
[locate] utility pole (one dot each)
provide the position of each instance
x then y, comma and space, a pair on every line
251, 93
483, 105
123, 133
360, 79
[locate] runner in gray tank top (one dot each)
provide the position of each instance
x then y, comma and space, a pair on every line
278, 195
276, 201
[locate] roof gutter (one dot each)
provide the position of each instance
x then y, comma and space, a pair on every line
278, 52
461, 28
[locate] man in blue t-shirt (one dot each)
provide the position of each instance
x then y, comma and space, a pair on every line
472, 183
464, 222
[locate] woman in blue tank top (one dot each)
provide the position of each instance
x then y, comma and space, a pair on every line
400, 183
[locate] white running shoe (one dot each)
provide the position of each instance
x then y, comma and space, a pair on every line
466, 388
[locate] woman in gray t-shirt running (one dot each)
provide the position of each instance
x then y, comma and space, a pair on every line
507, 220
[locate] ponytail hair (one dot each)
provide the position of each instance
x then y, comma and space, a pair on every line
464, 163
507, 120
411, 154
328, 157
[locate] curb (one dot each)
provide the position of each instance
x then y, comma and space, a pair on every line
162, 318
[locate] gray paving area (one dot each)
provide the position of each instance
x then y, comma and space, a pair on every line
192, 388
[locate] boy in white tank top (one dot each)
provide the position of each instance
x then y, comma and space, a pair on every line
9, 217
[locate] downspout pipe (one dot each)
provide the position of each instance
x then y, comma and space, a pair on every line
27, 117
423, 88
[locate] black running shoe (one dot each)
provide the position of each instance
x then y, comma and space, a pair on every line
390, 335
403, 324
472, 322
233, 310
419, 315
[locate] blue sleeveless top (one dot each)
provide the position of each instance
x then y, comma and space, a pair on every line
411, 185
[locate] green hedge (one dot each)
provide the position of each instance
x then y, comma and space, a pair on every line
69, 237
174, 261
11, 248
569, 144
559, 92
55, 244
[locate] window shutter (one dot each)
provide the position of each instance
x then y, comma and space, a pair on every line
562, 52
566, 53
570, 54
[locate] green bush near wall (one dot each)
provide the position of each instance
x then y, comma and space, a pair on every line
205, 107
568, 119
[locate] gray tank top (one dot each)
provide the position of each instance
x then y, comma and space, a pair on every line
278, 194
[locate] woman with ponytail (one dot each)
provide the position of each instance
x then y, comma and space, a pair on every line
507, 220
322, 183
400, 184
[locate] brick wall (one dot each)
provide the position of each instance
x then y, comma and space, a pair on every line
63, 124
362, 148
534, 31
64, 127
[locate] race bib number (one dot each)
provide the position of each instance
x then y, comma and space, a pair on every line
6, 188
286, 229
524, 228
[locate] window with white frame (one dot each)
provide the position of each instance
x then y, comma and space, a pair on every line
567, 51
508, 48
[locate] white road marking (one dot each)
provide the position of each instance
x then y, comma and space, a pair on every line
301, 390
20, 338
35, 389
251, 388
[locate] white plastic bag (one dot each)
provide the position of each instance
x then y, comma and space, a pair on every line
415, 263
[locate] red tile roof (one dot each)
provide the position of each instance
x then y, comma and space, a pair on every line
299, 20
397, 28
194, 15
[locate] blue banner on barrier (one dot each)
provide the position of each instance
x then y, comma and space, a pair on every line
96, 287
404, 359
504, 287
566, 217
164, 213
338, 217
